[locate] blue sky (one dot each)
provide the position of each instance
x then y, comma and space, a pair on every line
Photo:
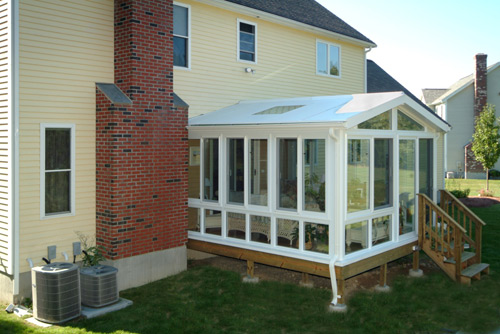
425, 43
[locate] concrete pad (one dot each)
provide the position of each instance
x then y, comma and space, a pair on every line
416, 273
90, 312
38, 323
339, 308
248, 279
384, 288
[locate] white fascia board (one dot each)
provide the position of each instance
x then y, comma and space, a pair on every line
284, 21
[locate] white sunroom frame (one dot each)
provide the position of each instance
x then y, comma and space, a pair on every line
336, 134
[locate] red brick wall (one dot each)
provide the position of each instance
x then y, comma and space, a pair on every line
141, 149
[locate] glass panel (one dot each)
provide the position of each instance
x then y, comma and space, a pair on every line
316, 237
425, 169
194, 219
57, 149
57, 192
260, 228
321, 58
314, 175
287, 164
358, 175
381, 229
406, 123
194, 169
213, 222
247, 56
180, 20
356, 236
383, 173
380, 122
248, 28
258, 172
334, 60
236, 225
406, 185
288, 233
211, 169
180, 51
236, 172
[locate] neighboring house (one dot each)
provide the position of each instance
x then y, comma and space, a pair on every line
96, 140
459, 105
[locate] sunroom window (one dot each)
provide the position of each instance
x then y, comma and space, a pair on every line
358, 175
314, 175
379, 122
406, 185
258, 172
407, 123
382, 173
211, 169
236, 171
287, 171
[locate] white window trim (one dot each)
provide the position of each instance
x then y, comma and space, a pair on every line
43, 127
328, 58
238, 21
188, 67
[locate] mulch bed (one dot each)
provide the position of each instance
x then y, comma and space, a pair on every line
480, 202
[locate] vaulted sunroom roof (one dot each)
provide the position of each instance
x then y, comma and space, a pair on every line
339, 110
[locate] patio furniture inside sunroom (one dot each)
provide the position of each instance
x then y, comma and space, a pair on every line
323, 182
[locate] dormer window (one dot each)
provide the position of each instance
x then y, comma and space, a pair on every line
247, 41
327, 59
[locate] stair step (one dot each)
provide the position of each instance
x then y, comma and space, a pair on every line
465, 256
474, 269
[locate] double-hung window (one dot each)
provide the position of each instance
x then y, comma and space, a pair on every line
247, 41
181, 36
327, 59
57, 160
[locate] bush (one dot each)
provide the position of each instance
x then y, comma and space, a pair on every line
458, 193
486, 193
494, 174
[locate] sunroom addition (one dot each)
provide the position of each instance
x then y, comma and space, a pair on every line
321, 179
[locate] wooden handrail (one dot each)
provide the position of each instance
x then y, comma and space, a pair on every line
454, 206
456, 201
440, 235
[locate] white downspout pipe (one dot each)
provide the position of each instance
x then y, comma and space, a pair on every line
333, 280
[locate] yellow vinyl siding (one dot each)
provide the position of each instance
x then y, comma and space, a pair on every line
65, 48
286, 63
6, 156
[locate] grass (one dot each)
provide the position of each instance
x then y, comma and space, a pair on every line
474, 185
210, 300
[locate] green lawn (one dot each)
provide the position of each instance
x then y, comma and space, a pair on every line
474, 185
209, 300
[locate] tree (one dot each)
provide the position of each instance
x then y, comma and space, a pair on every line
485, 140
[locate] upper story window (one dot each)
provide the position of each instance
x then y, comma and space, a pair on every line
327, 59
181, 36
247, 42
57, 169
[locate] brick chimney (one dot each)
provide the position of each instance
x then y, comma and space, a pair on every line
480, 91
141, 147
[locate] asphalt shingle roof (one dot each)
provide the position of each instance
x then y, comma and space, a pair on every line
305, 11
378, 81
431, 94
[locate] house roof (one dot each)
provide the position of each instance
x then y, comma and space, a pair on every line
378, 80
429, 95
461, 84
305, 11
339, 110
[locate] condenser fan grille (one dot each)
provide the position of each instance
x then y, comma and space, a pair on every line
99, 286
56, 292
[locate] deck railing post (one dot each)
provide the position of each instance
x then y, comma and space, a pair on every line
458, 253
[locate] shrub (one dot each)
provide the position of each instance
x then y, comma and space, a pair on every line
458, 193
493, 173
486, 193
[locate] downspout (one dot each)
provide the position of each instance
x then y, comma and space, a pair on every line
15, 145
366, 69
333, 276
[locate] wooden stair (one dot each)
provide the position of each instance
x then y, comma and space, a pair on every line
445, 232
